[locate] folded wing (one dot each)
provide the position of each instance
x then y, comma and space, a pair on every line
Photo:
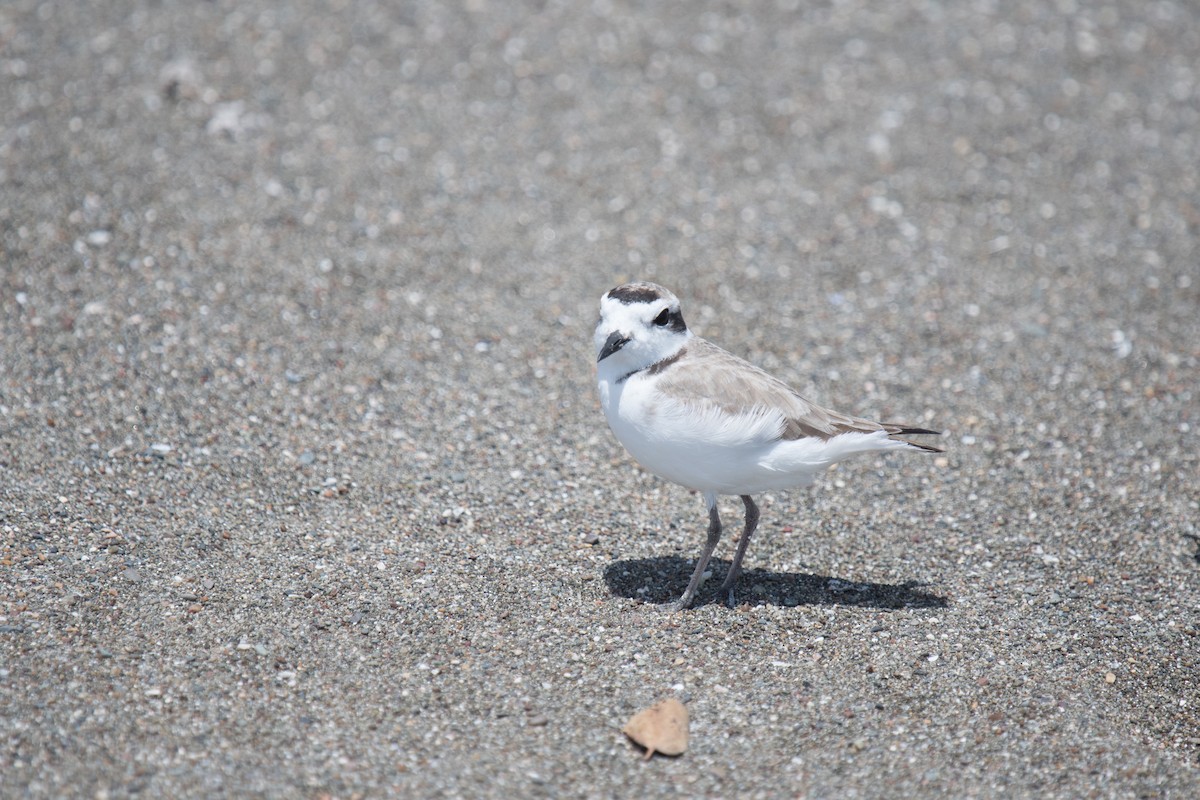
711, 377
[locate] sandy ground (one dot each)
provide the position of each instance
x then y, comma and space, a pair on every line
305, 491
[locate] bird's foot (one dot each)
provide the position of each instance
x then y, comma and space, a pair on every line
681, 604
726, 590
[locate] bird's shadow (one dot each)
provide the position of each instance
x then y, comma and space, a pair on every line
663, 578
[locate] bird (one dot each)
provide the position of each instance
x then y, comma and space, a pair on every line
701, 417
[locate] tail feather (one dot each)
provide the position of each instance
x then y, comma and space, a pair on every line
905, 430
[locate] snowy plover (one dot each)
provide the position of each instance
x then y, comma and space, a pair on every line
694, 414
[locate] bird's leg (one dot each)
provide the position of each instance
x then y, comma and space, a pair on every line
736, 568
714, 536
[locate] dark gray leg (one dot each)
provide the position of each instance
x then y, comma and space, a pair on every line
735, 569
714, 536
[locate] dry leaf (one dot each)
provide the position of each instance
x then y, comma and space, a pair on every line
661, 728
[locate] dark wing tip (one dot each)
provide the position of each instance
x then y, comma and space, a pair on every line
905, 430
927, 448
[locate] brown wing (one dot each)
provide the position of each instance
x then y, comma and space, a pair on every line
712, 376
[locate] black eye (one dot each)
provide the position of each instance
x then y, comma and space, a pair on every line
663, 318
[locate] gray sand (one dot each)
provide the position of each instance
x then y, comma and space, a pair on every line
305, 491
